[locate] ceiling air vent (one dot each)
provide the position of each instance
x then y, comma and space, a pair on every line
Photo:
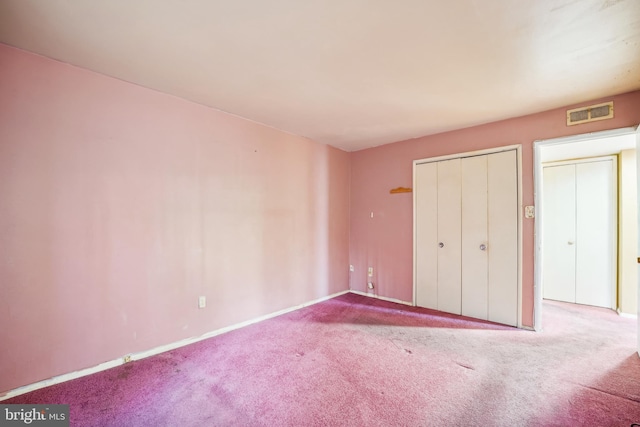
590, 114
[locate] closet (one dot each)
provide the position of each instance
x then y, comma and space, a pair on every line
580, 231
466, 236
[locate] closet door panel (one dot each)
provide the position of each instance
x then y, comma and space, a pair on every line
449, 234
427, 235
595, 231
559, 233
503, 238
474, 234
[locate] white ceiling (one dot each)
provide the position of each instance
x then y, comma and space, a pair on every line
350, 73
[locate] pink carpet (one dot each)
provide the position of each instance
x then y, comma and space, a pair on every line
356, 361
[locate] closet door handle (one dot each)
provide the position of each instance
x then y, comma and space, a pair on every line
483, 247
441, 244
570, 242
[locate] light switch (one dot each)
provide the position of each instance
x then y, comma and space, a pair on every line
202, 302
370, 271
529, 211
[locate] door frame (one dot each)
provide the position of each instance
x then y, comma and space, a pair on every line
537, 198
518, 149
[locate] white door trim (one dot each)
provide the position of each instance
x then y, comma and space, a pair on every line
468, 154
518, 149
613, 157
537, 185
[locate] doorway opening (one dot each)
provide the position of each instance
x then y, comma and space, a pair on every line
564, 160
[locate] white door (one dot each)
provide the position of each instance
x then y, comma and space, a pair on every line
559, 228
475, 274
449, 236
502, 244
596, 234
466, 236
426, 233
579, 232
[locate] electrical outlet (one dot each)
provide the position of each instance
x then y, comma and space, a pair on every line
351, 269
127, 358
202, 302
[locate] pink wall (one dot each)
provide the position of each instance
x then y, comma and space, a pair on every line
385, 242
119, 206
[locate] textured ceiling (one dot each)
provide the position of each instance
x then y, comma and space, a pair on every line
350, 73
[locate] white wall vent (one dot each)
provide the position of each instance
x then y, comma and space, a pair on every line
590, 114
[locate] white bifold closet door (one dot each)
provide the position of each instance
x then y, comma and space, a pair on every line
449, 236
466, 236
475, 232
579, 232
559, 255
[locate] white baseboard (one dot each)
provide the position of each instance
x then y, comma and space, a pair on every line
365, 294
60, 379
627, 315
152, 352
